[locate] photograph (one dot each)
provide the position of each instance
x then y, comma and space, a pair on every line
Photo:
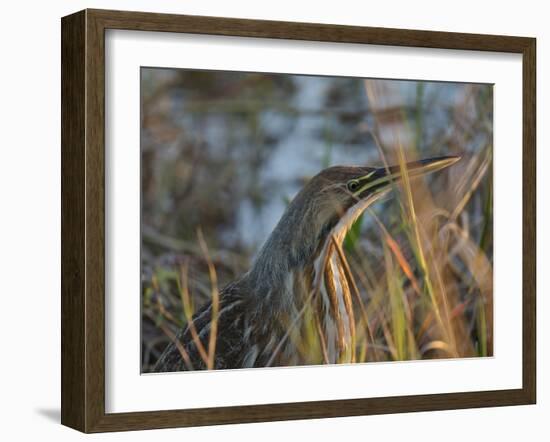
293, 220
246, 221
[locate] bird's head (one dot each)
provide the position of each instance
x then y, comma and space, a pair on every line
339, 194
328, 205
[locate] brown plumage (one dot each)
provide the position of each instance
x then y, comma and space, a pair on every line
259, 320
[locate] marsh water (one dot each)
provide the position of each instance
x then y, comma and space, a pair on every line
238, 146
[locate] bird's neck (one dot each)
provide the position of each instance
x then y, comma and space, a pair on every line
297, 245
297, 266
281, 273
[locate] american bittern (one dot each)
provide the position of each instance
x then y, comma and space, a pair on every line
298, 266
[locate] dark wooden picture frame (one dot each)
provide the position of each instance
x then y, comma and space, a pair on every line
83, 220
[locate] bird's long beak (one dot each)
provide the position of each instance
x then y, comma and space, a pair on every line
382, 177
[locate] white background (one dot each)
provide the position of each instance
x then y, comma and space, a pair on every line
128, 391
30, 222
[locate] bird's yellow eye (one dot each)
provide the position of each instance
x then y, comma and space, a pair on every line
353, 185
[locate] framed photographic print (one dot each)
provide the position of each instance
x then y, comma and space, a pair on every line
269, 220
